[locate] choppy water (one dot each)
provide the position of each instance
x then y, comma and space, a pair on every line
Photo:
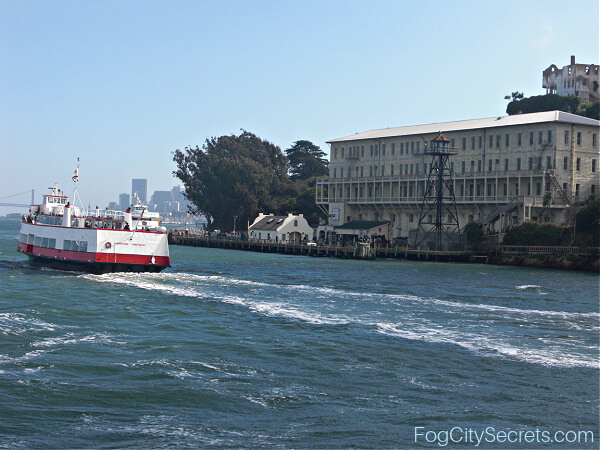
236, 349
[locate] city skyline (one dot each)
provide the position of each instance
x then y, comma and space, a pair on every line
123, 85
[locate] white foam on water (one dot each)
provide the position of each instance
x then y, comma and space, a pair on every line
481, 344
486, 345
16, 323
71, 338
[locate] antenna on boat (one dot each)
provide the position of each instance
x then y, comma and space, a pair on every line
75, 179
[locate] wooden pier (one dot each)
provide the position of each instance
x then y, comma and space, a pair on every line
358, 251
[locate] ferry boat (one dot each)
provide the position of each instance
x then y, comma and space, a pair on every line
60, 235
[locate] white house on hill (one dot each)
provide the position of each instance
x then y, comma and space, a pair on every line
291, 229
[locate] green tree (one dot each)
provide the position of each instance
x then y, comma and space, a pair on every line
538, 103
232, 176
515, 96
306, 160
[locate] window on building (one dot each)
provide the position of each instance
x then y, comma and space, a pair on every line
538, 188
504, 189
517, 189
411, 169
549, 136
528, 188
342, 152
393, 149
539, 137
376, 149
382, 171
412, 147
341, 172
519, 139
531, 138
418, 146
473, 143
401, 148
489, 189
464, 143
362, 150
594, 140
497, 141
548, 162
491, 141
478, 189
578, 164
518, 163
577, 190
392, 170
371, 149
480, 141
566, 163
451, 167
334, 172
382, 149
579, 138
462, 190
530, 163
566, 136
472, 166
411, 218
479, 165
506, 164
507, 139
594, 165
463, 167
489, 165
335, 153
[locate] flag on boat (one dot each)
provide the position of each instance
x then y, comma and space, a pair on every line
76, 173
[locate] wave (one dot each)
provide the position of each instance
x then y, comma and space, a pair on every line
484, 346
16, 323
148, 281
70, 338
552, 354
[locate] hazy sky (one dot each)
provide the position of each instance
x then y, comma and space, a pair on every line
123, 84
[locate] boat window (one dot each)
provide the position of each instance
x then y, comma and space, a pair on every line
83, 246
44, 242
66, 245
37, 241
52, 243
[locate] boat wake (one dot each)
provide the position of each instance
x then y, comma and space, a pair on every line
497, 331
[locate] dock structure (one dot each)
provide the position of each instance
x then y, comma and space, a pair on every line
357, 251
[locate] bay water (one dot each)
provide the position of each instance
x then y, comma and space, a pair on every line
231, 348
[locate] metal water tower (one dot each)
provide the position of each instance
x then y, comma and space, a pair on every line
438, 219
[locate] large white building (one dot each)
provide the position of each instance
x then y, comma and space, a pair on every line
579, 80
507, 170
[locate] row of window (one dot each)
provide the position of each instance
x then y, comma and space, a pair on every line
495, 141
534, 163
470, 190
44, 242
75, 246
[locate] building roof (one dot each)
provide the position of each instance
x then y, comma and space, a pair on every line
362, 224
473, 124
269, 223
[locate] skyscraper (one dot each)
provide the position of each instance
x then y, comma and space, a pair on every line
124, 201
140, 185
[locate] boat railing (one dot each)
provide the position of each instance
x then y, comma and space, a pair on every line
103, 214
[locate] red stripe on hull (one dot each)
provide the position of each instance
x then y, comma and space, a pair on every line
121, 258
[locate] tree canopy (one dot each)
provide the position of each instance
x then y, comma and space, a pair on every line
240, 176
538, 103
306, 160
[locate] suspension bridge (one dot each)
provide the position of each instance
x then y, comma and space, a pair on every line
13, 203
